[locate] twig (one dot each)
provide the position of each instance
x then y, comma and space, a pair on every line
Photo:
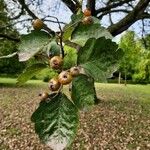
60, 37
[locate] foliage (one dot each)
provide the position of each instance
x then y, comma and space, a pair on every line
12, 65
135, 62
56, 122
95, 58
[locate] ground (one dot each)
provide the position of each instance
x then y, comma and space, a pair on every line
121, 120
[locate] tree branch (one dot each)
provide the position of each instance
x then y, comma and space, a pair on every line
91, 5
110, 6
132, 17
113, 11
73, 5
9, 37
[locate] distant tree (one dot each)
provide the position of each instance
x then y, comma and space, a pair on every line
142, 69
7, 45
131, 54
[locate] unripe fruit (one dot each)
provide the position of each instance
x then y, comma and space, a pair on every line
74, 71
37, 24
87, 20
43, 96
87, 12
54, 84
56, 62
65, 77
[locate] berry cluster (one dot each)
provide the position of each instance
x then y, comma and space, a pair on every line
64, 78
87, 17
56, 62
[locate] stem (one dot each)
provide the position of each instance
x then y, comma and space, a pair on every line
60, 37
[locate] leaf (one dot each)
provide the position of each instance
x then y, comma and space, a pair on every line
83, 32
99, 58
53, 49
32, 43
56, 122
29, 72
83, 91
69, 28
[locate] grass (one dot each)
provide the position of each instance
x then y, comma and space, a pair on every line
120, 121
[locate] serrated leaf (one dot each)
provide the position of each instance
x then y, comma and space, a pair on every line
69, 28
83, 32
29, 72
83, 91
56, 122
99, 57
32, 43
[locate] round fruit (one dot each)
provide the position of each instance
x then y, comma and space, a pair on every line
56, 62
74, 71
65, 77
87, 20
43, 96
38, 24
87, 12
54, 85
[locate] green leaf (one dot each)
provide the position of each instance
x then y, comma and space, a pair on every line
29, 72
32, 43
83, 91
56, 122
83, 32
69, 28
53, 49
99, 58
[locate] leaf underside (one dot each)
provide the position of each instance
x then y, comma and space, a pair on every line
31, 44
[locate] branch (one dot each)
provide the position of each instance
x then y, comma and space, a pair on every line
91, 5
16, 17
24, 6
73, 5
9, 37
113, 11
110, 6
127, 21
144, 16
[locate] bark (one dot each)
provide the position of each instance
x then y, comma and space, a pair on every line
131, 18
91, 6
119, 78
73, 5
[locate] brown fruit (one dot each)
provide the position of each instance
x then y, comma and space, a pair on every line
74, 71
43, 96
87, 12
38, 24
65, 77
87, 20
56, 62
54, 84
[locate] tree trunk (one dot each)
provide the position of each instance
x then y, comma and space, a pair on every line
119, 78
125, 78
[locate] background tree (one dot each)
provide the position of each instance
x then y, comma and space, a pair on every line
135, 62
8, 44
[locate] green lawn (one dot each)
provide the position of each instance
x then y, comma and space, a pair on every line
120, 121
